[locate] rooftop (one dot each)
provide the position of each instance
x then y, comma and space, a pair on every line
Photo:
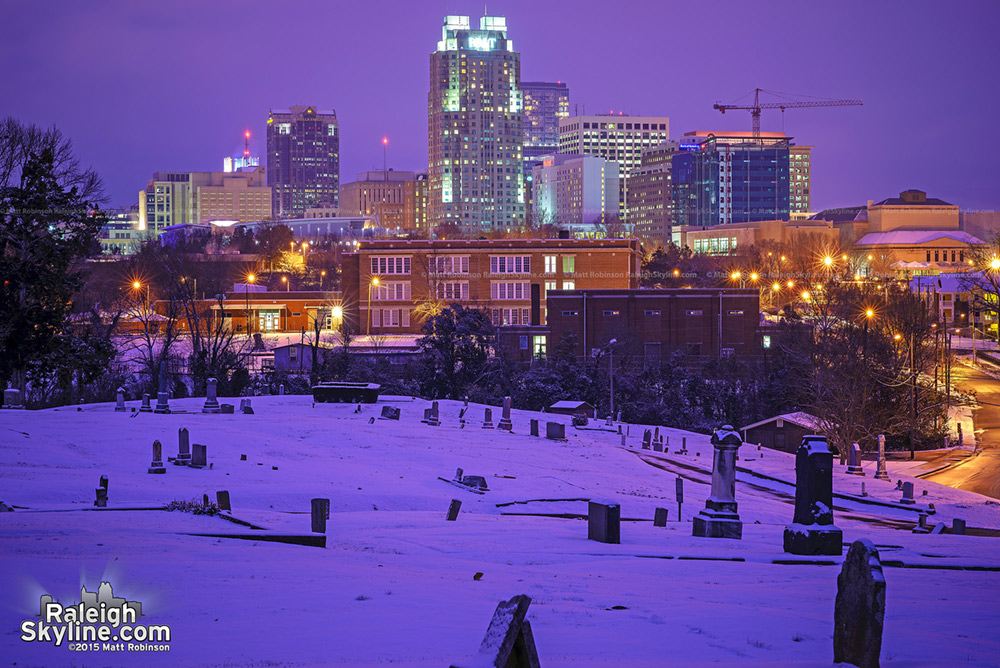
916, 237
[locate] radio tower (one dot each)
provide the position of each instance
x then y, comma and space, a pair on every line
246, 148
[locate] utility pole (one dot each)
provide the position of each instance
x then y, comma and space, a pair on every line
913, 394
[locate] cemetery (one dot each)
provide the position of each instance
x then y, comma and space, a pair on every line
296, 533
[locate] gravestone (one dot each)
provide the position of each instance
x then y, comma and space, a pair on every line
684, 446
281, 389
534, 427
505, 422
432, 416
812, 530
555, 430
660, 517
227, 409
204, 500
488, 419
222, 500
101, 497
199, 456
458, 474
907, 494
320, 513
863, 492
854, 460
389, 413
666, 444
246, 408
579, 420
145, 408
156, 465
453, 509
162, 406
657, 440
211, 399
461, 416
679, 494
859, 611
508, 642
657, 446
120, 401
104, 482
958, 527
604, 521
720, 518
12, 399
647, 439
623, 439
183, 448
880, 471
475, 482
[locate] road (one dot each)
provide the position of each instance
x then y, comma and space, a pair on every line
980, 474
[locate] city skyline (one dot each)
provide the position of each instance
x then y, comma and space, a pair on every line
914, 65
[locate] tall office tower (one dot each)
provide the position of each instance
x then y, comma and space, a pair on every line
544, 104
799, 170
731, 178
303, 159
474, 136
614, 137
577, 192
177, 198
650, 193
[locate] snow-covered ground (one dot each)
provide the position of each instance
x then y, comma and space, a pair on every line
396, 583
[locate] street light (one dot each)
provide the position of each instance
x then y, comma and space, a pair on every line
284, 279
250, 279
611, 373
373, 283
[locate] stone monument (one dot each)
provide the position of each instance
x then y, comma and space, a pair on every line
880, 472
162, 406
719, 518
859, 612
120, 401
211, 398
812, 530
505, 422
156, 466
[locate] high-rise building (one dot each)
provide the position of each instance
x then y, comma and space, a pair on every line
799, 176
378, 194
544, 104
614, 137
730, 178
650, 193
178, 198
577, 192
415, 204
303, 159
475, 128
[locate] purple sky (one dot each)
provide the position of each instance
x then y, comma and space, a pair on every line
142, 86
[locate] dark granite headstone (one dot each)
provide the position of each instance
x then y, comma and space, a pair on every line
958, 527
199, 456
475, 481
320, 513
647, 439
227, 409
859, 611
534, 427
211, 400
183, 448
505, 421
453, 509
660, 517
222, 500
488, 419
120, 401
555, 430
604, 522
854, 460
812, 530
162, 406
145, 408
101, 497
907, 494
389, 413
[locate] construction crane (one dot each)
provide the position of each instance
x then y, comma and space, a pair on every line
756, 108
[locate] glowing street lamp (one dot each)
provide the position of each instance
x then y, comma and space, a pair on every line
828, 261
284, 279
869, 314
995, 264
372, 284
250, 279
805, 295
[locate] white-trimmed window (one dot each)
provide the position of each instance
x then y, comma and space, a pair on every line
453, 290
569, 285
391, 291
550, 264
513, 290
511, 316
448, 264
385, 264
569, 264
510, 264
391, 317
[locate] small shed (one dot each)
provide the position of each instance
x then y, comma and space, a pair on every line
297, 357
573, 408
781, 432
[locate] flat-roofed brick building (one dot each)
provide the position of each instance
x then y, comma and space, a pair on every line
385, 281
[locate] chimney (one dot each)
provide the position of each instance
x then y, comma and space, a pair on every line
536, 304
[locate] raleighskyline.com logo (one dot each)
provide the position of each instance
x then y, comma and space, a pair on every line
100, 622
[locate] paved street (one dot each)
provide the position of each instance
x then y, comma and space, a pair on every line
981, 473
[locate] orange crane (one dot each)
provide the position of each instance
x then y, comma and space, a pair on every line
755, 109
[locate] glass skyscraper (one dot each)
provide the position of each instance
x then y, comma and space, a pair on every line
303, 160
544, 104
474, 122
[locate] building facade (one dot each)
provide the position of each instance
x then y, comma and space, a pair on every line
647, 324
193, 198
379, 194
576, 192
720, 179
390, 287
650, 194
545, 103
475, 131
303, 159
618, 137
